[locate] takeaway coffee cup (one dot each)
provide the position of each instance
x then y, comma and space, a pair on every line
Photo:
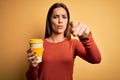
37, 47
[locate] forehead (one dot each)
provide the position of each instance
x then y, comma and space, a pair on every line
59, 10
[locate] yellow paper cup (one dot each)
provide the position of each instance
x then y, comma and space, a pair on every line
37, 47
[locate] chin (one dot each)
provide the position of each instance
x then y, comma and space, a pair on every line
59, 32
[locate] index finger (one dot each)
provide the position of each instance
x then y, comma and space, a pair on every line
73, 24
29, 50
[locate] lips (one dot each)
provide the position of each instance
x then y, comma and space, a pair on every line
60, 26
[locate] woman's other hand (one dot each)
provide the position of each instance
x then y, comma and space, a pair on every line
79, 29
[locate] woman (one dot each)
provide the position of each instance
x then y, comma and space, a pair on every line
59, 49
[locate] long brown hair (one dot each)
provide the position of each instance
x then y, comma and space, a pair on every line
48, 31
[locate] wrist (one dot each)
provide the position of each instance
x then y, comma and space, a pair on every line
84, 37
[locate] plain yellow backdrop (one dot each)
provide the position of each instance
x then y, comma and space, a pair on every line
21, 20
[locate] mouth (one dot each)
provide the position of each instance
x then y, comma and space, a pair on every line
60, 26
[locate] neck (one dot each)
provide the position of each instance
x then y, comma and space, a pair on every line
57, 38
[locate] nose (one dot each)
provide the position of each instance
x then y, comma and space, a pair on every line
60, 20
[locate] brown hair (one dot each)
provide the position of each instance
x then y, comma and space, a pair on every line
48, 31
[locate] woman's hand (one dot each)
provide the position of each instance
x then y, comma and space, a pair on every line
32, 58
79, 29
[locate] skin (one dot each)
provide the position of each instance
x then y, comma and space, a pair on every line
59, 21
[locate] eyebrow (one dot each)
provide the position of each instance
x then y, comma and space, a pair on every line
59, 15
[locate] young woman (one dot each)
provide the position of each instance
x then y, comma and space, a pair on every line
59, 49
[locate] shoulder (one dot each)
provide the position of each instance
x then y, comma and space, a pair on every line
75, 42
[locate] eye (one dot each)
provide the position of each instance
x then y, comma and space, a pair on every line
55, 16
64, 16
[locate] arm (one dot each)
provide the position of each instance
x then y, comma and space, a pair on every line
88, 50
86, 47
32, 72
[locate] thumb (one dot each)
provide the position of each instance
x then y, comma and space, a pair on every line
73, 24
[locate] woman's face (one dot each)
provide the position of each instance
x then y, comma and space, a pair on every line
59, 20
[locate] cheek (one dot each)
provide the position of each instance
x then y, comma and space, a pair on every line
53, 25
53, 22
65, 23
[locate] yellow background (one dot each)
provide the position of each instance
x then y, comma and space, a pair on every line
21, 20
